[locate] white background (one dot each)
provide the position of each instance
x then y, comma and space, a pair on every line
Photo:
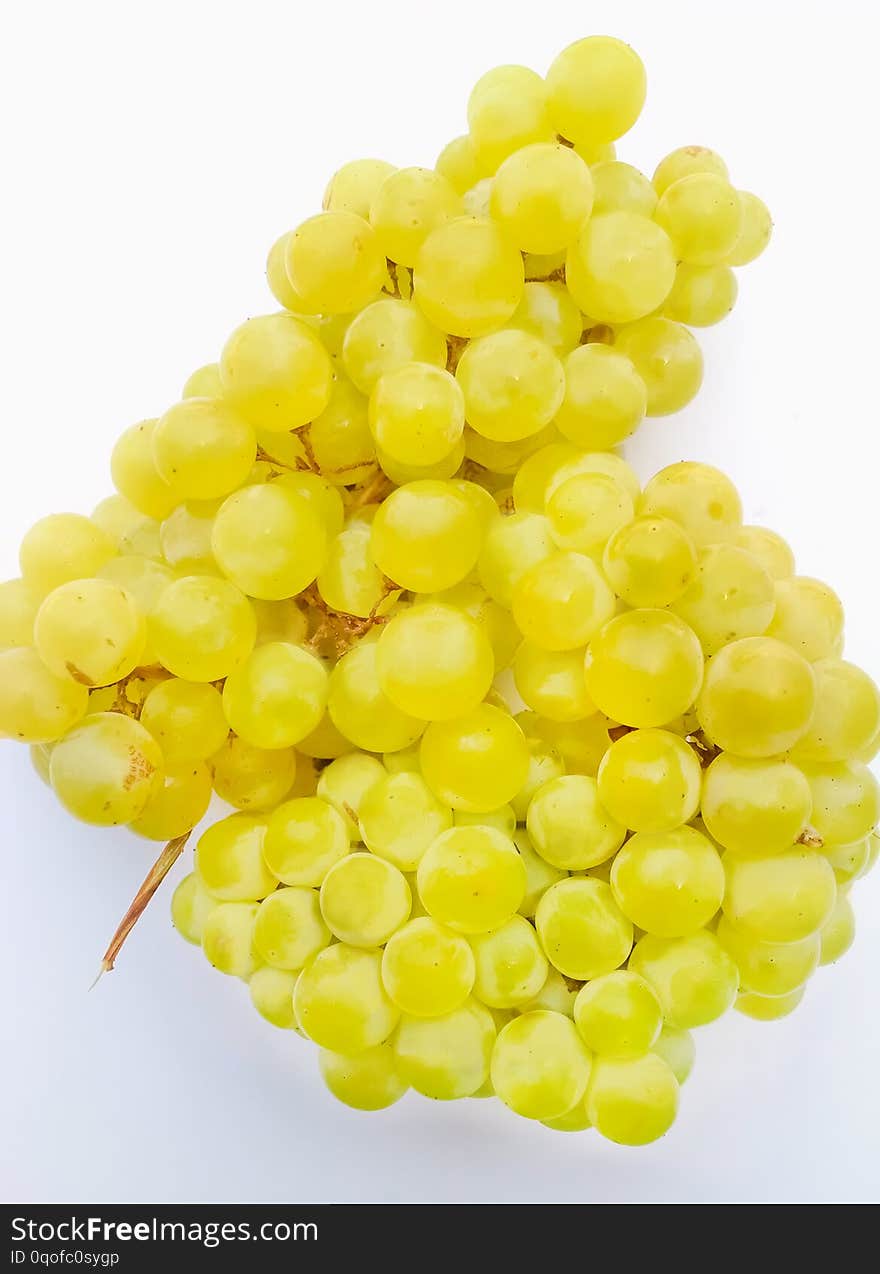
152, 154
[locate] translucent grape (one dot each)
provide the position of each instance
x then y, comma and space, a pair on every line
507, 109
649, 780
586, 510
457, 162
134, 472
468, 278
668, 883
782, 898
574, 1120
619, 187
668, 359
596, 89
366, 1082
755, 806
352, 187
568, 825
769, 968
280, 621
270, 541
561, 602
540, 1066
471, 879
271, 992
276, 373
644, 668
434, 662
426, 536
769, 548
360, 709
201, 628
289, 930
186, 719
36, 705
400, 474
548, 312
227, 938
632, 1100
349, 581
106, 769
229, 859
756, 228
446, 1057
276, 696
809, 617
701, 294
191, 904
512, 545
620, 268
540, 196
838, 932
409, 204
701, 214
347, 782
650, 561
731, 597
505, 458
768, 1008
203, 449
850, 862
252, 778
677, 1049
340, 1002
427, 969
582, 930
618, 1015
90, 630
304, 838
204, 382
701, 499
388, 336
846, 801
177, 805
475, 762
605, 397
400, 818
511, 968
757, 698
513, 384
62, 547
118, 518
364, 900
684, 162
552, 682
335, 262
694, 978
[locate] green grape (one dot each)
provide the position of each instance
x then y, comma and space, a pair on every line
361, 711
540, 1066
769, 548
838, 932
425, 536
555, 996
471, 879
186, 719
400, 474
281, 288
548, 312
545, 763
387, 337
506, 110
502, 459
335, 262
755, 806
632, 1100
252, 778
106, 769
352, 187
271, 992
227, 939
90, 630
574, 1120
408, 205
185, 539
568, 825
781, 898
457, 162
446, 1057
606, 462
176, 806
349, 581
280, 621
118, 518
340, 1002
586, 510
618, 1015
60, 548
756, 227
270, 541
36, 705
427, 970
304, 838
757, 698
275, 372
596, 89
204, 382
401, 818
849, 862
768, 1008
621, 188
135, 475
366, 1082
364, 900
503, 819
513, 384
434, 662
676, 1047
605, 397
809, 617
701, 214
579, 744
552, 682
650, 561
229, 859
644, 668
289, 930
340, 437
475, 762
620, 268
276, 696
649, 780
325, 742
481, 501
684, 162
668, 883
540, 875
511, 968
512, 545
191, 904
582, 930
468, 278
769, 968
347, 782
18, 610
203, 449
846, 801
695, 978
730, 597
201, 628
701, 294
540, 196
324, 499
667, 358
497, 622
699, 498
561, 602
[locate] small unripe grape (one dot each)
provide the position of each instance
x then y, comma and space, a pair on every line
276, 373
335, 262
106, 769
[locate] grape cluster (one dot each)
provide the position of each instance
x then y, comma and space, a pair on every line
534, 770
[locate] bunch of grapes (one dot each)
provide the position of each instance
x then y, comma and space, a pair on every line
534, 770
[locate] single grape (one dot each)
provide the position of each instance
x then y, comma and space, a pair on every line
540, 196
275, 372
186, 719
340, 1002
475, 762
512, 545
552, 682
201, 628
366, 1082
19, 604
701, 294
695, 978
270, 540
668, 883
752, 806
434, 662
621, 267
425, 536
618, 1015
619, 187
229, 859
361, 711
352, 187
271, 992
540, 1066
758, 697
649, 780
582, 930
768, 1008
808, 617
409, 204
510, 966
446, 1057
605, 397
340, 438
702, 215
227, 938
37, 705
276, 696
513, 384
60, 548
846, 801
676, 1047
90, 630
668, 359
252, 778
185, 538
468, 278
730, 597
427, 970
400, 818
548, 312
781, 898
289, 930
106, 769
203, 449
471, 879
304, 838
769, 548
176, 806
700, 498
134, 471
335, 262
191, 904
568, 825
458, 163
649, 562
507, 109
756, 227
562, 601
633, 1100
386, 337
364, 900
586, 510
769, 968
644, 668
684, 162
596, 89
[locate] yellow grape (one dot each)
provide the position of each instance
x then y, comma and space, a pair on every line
667, 357
271, 991
668, 883
400, 474
552, 682
512, 383
468, 278
769, 548
281, 288
562, 602
580, 744
847, 714
650, 561
201, 628
568, 825
475, 762
605, 397
510, 966
203, 449
36, 705
368, 1081
694, 978
134, 471
106, 769
446, 1057
349, 581
540, 1066
347, 782
227, 938
632, 1100
409, 204
276, 696
838, 932
606, 462
540, 875
304, 838
701, 294
191, 904
340, 437
434, 662
503, 819
702, 215
756, 227
780, 898
252, 778
229, 859
289, 930
540, 196
276, 373
270, 540
769, 968
118, 518
507, 109
457, 162
620, 268
808, 617
361, 710
427, 969
752, 806
644, 668
618, 1015
699, 498
335, 262
511, 546
596, 89
425, 536
400, 818
340, 1002
676, 1047
582, 930
586, 510
204, 382
619, 187
186, 719
387, 336
352, 187
364, 900
176, 806
548, 312
730, 597
18, 609
185, 538
684, 162
768, 1008
758, 697
90, 630
846, 800
60, 548
471, 879
649, 780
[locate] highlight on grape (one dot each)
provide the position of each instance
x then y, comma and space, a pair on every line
534, 771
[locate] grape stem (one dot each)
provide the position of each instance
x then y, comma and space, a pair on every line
151, 883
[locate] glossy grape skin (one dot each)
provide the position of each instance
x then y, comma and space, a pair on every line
511, 546
649, 780
568, 825
186, 718
227, 938
191, 904
340, 1002
335, 262
276, 373
694, 977
838, 932
18, 609
540, 196
270, 540
229, 859
386, 336
364, 900
134, 471
668, 883
582, 930
90, 630
808, 617
596, 89
782, 898
361, 711
458, 163
366, 1082
468, 279
416, 413
548, 311
434, 662
507, 109
644, 668
201, 628
289, 930
605, 397
752, 806
619, 187
271, 991
562, 601
62, 547
632, 1101
304, 838
684, 162
203, 449
769, 548
177, 805
352, 187
703, 501
36, 705
513, 384
769, 968
847, 714
846, 801
620, 268
475, 762
552, 682
702, 215
756, 227
758, 698
701, 294
730, 597
471, 879
106, 769
276, 696
425, 536
510, 966
347, 782
667, 357
252, 778
446, 1057
649, 562
408, 205
768, 1008
540, 1066
677, 1049
427, 970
